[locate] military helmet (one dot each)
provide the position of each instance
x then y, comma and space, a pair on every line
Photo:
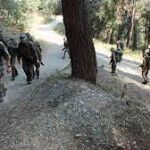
23, 37
112, 49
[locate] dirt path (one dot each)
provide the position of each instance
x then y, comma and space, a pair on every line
51, 43
60, 114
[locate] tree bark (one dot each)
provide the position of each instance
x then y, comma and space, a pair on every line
149, 33
132, 24
79, 36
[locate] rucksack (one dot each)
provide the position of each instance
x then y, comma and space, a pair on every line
119, 54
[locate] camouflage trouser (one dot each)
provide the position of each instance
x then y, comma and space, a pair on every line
14, 70
36, 72
2, 88
145, 69
66, 50
28, 69
113, 62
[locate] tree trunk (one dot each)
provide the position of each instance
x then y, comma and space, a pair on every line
135, 38
149, 33
132, 24
109, 35
79, 36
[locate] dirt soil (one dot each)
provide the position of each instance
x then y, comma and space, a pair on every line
58, 113
68, 114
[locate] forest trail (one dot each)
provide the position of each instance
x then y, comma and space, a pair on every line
55, 113
51, 43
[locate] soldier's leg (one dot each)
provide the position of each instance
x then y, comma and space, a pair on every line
28, 69
14, 70
113, 67
65, 51
2, 87
37, 70
14, 73
113, 62
33, 72
144, 75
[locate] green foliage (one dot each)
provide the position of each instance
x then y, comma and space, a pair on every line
50, 7
111, 19
60, 28
18, 11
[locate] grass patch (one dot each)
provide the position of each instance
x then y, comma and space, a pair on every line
48, 20
128, 52
60, 28
133, 54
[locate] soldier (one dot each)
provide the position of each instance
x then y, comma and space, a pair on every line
146, 65
3, 55
2, 38
116, 56
36, 72
12, 49
66, 48
28, 53
29, 37
37, 46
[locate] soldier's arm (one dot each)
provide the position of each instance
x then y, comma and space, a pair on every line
19, 55
33, 48
7, 57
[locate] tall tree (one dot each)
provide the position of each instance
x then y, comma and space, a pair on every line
79, 35
132, 23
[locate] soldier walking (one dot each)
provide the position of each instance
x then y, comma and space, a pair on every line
12, 49
146, 65
116, 56
4, 55
28, 53
38, 49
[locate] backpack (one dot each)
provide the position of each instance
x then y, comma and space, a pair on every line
119, 54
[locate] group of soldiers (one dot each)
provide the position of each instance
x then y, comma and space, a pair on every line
116, 57
26, 50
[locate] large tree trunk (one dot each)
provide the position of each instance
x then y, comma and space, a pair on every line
149, 33
79, 36
135, 38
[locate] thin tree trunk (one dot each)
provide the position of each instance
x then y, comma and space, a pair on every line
149, 33
79, 35
135, 40
132, 24
110, 35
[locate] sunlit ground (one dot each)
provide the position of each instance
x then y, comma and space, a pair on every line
45, 32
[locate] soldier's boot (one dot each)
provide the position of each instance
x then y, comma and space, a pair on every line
113, 67
3, 90
144, 74
1, 97
29, 78
145, 82
14, 73
64, 54
37, 73
34, 74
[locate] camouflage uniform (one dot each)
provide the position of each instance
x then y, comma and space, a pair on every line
12, 49
29, 56
3, 55
66, 48
116, 56
38, 49
146, 65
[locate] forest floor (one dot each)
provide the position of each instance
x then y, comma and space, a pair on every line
59, 113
